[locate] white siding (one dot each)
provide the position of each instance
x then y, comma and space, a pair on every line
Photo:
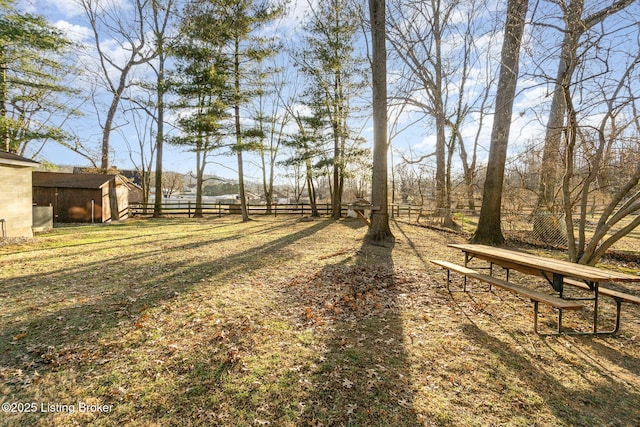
16, 200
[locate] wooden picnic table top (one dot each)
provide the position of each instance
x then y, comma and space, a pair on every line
512, 259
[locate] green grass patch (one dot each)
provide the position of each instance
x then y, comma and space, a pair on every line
285, 322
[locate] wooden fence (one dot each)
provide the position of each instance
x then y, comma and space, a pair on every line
188, 208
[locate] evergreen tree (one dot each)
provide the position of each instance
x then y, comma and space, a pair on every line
31, 79
239, 23
202, 83
336, 77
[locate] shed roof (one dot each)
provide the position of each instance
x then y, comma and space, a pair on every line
12, 159
71, 180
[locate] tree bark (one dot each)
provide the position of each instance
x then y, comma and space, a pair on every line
236, 109
489, 225
379, 230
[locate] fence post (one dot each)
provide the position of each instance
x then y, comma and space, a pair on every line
189, 209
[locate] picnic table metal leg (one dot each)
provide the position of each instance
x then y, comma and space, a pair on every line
535, 320
559, 321
618, 309
595, 308
560, 291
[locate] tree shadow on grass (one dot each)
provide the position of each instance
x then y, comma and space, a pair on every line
57, 340
329, 350
571, 404
361, 374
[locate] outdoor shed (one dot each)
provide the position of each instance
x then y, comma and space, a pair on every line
16, 217
82, 197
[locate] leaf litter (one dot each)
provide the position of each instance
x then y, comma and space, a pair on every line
276, 322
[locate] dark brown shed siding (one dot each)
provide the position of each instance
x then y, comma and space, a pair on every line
71, 196
70, 205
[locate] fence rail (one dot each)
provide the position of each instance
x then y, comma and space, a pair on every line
188, 209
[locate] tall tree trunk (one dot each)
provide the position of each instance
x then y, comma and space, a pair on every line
311, 189
157, 205
335, 195
106, 132
201, 163
442, 178
544, 224
236, 109
379, 230
489, 224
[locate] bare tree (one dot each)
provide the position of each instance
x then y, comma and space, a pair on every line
619, 121
304, 146
271, 116
489, 224
172, 182
161, 11
143, 153
108, 22
437, 60
575, 26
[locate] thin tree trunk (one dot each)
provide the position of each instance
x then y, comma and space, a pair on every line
236, 109
4, 126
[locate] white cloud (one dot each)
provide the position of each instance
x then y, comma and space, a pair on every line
66, 8
76, 33
296, 14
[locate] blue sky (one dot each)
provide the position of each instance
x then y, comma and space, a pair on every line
527, 123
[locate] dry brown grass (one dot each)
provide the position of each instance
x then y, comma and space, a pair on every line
285, 322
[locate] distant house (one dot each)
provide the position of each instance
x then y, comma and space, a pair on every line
82, 197
132, 177
16, 217
135, 192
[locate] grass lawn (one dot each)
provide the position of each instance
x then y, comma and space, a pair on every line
284, 322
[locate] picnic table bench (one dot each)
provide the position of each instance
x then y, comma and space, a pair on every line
535, 296
618, 296
558, 273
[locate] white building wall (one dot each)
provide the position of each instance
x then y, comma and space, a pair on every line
15, 201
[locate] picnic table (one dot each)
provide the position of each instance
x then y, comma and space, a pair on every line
558, 274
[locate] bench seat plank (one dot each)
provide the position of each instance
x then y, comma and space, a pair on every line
535, 296
454, 267
522, 290
617, 295
530, 293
